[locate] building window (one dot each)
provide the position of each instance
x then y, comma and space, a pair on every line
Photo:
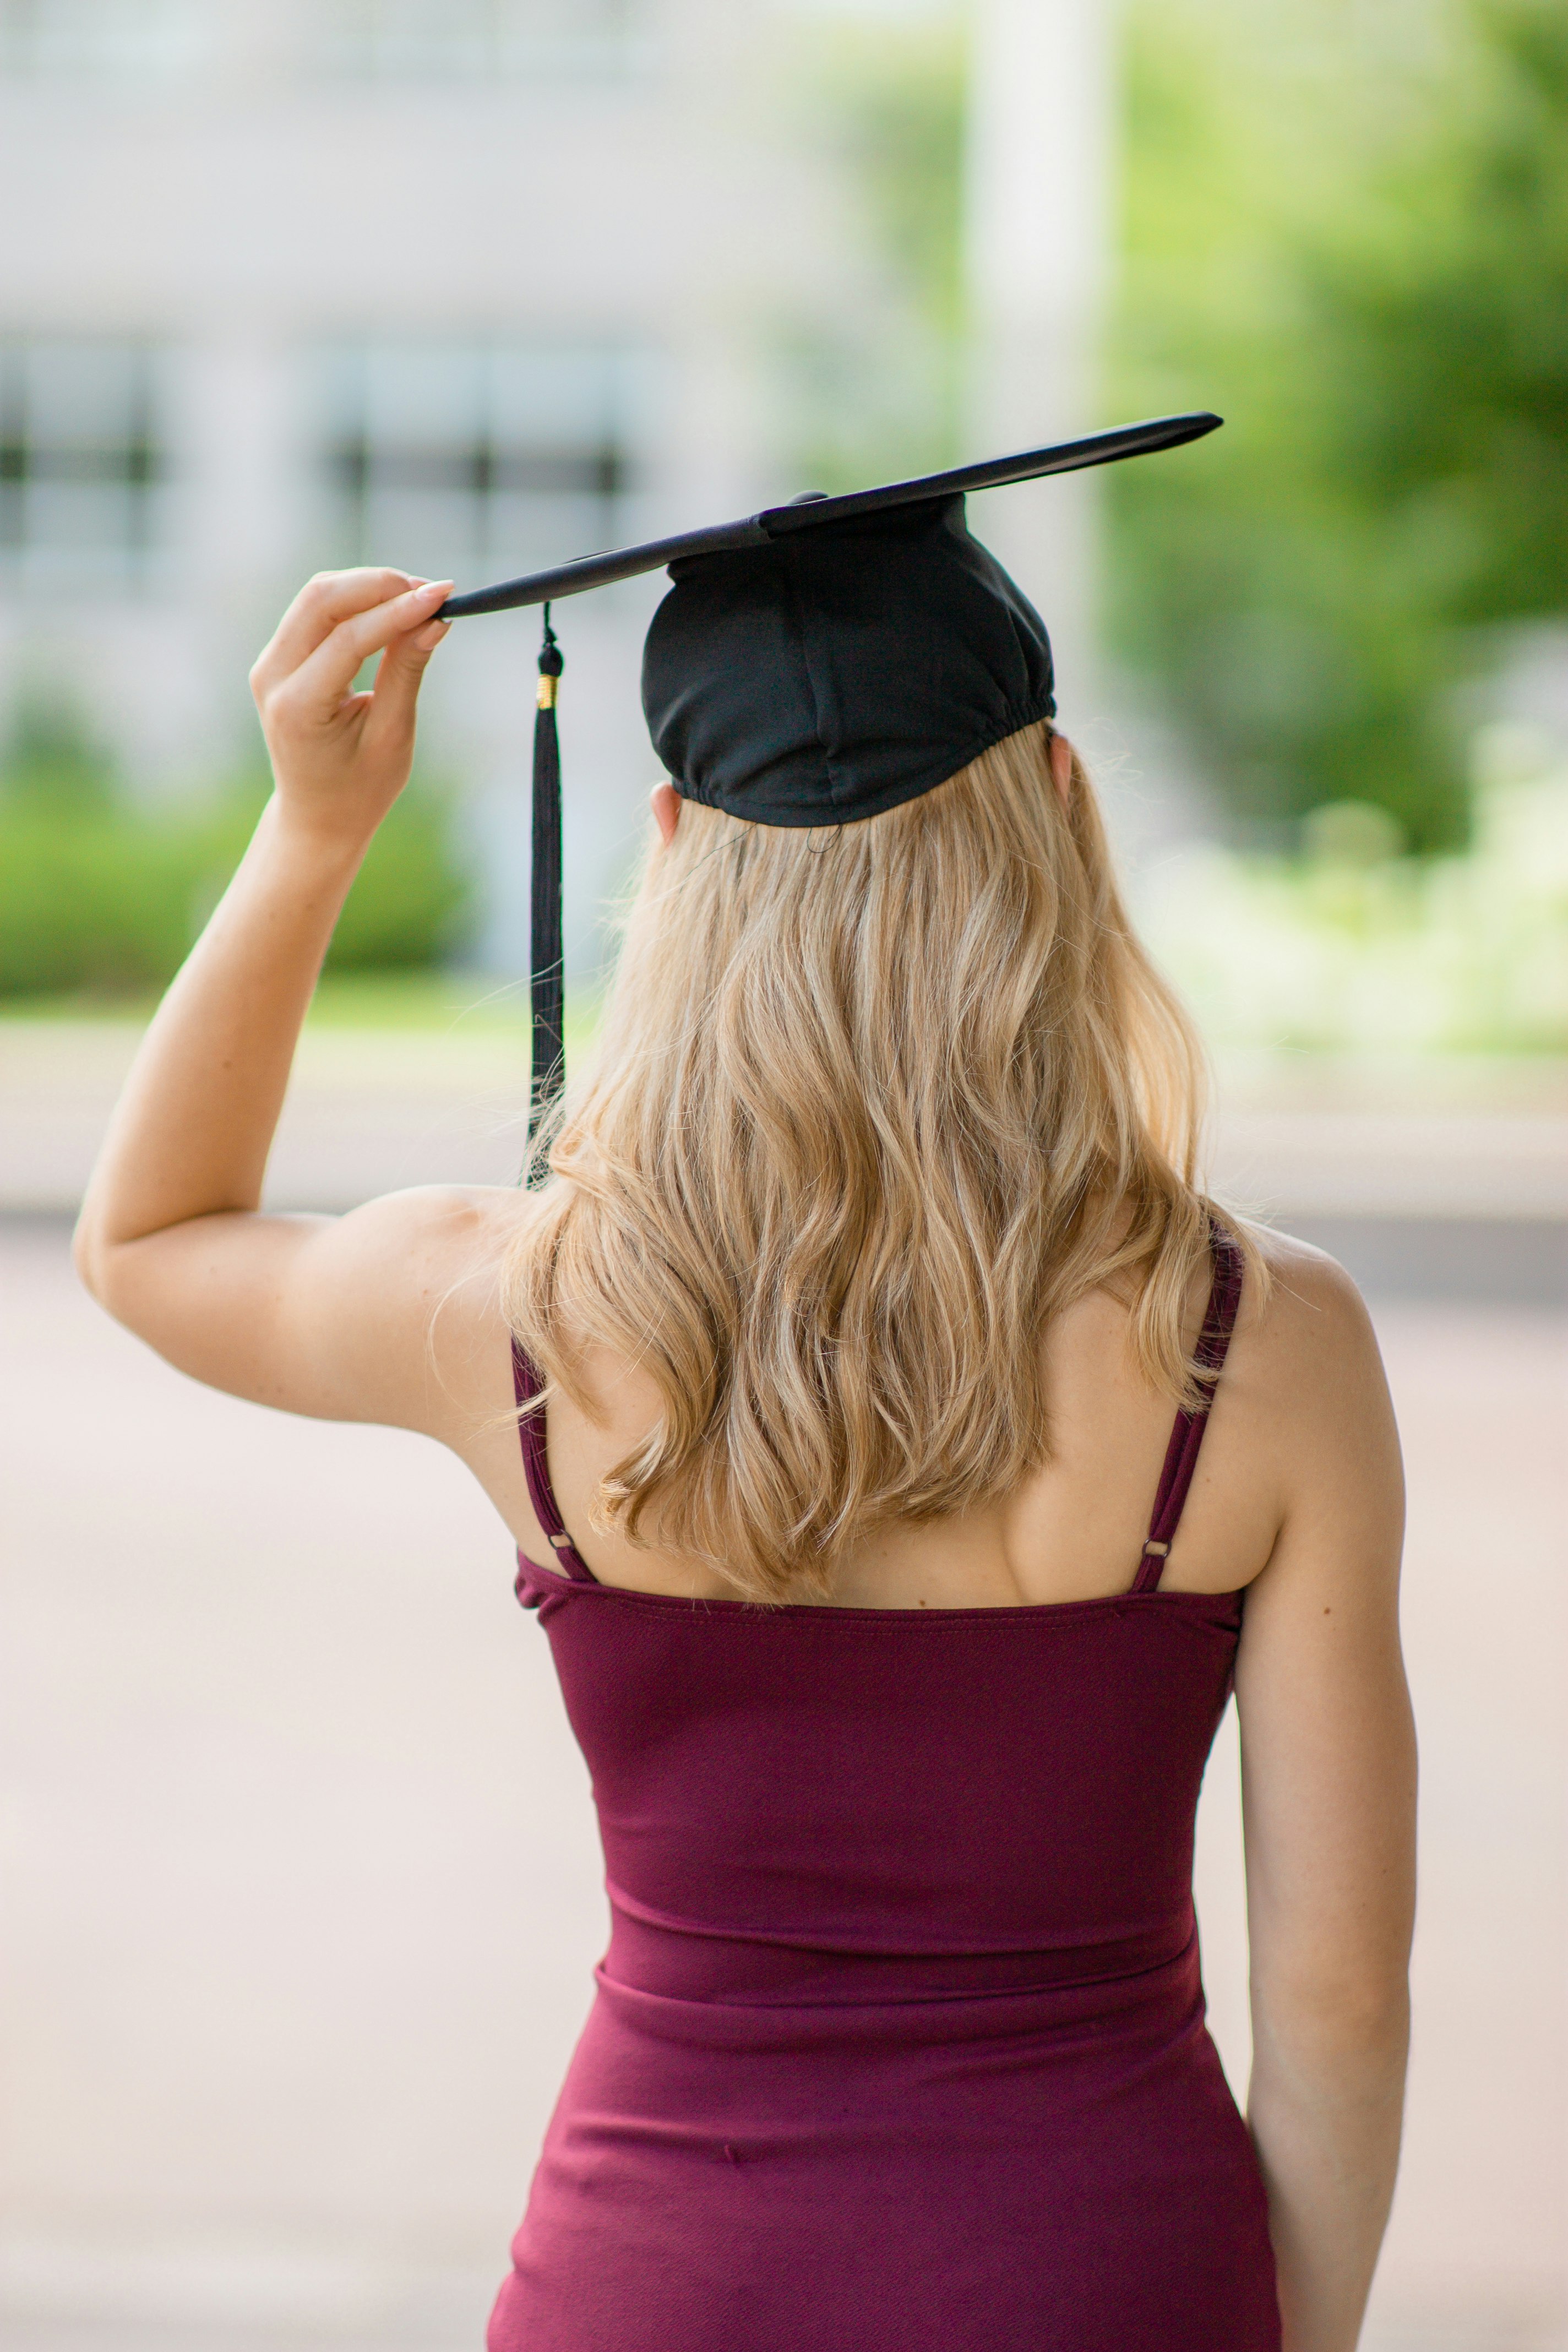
113, 39
458, 460
481, 39
82, 458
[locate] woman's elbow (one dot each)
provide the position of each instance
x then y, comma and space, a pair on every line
100, 1263
1333, 2016
88, 1255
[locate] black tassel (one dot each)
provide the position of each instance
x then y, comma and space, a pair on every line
549, 1071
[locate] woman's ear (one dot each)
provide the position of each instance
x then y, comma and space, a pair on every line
665, 802
1061, 769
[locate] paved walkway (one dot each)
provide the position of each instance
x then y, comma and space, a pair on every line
371, 1108
303, 1890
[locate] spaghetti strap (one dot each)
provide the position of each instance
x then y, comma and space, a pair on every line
1187, 1435
528, 1387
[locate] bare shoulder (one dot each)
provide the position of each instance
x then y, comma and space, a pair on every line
1306, 1332
432, 1252
445, 1248
1307, 1368
1305, 1289
458, 1224
402, 1298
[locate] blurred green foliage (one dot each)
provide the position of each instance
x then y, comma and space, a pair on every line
50, 759
877, 390
896, 117
1350, 948
101, 895
1347, 230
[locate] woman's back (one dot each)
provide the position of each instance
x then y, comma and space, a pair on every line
1070, 1528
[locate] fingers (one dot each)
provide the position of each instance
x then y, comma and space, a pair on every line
323, 603
317, 687
397, 680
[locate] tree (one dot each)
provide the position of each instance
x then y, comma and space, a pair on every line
1361, 259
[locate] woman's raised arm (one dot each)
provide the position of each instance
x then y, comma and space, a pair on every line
300, 1312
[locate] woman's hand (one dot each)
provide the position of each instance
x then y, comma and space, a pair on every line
339, 757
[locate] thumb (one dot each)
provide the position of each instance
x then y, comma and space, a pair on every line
402, 669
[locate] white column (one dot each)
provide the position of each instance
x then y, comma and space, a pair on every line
1037, 245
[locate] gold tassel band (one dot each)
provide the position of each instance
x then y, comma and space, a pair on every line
547, 687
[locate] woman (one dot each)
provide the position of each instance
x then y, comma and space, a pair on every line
876, 1321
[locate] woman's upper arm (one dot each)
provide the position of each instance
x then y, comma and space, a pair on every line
1327, 1745
375, 1315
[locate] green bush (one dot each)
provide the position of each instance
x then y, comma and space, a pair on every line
101, 896
410, 905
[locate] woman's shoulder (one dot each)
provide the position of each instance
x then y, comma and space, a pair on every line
1300, 1317
1305, 1375
435, 1256
1306, 1313
467, 1222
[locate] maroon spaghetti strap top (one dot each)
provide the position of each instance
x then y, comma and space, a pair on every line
898, 2041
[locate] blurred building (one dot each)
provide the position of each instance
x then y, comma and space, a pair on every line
1036, 264
467, 286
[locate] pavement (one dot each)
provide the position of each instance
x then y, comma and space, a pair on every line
1442, 1179
302, 1886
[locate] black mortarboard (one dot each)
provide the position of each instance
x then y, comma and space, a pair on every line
814, 664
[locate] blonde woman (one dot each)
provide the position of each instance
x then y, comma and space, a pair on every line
861, 1344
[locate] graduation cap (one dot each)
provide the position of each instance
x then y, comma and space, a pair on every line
814, 664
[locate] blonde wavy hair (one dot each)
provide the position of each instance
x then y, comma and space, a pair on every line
869, 1106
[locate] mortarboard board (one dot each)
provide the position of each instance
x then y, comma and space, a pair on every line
814, 664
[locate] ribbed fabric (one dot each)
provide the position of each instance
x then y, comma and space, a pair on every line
898, 2040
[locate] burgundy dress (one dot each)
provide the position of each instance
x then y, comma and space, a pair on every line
899, 2041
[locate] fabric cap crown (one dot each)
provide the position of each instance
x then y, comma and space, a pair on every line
836, 672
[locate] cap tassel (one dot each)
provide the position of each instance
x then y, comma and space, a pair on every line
546, 980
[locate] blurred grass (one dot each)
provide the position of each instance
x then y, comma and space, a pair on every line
458, 1005
423, 1006
418, 1000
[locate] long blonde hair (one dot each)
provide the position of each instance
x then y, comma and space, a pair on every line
869, 1106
